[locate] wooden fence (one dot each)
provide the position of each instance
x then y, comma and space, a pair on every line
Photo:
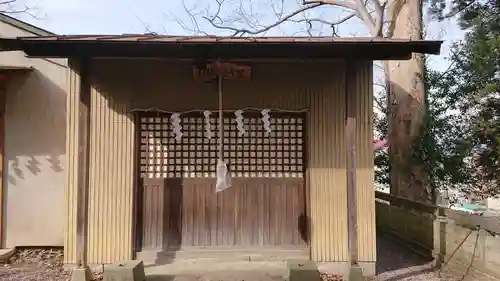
462, 244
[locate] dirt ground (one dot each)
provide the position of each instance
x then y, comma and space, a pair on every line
395, 263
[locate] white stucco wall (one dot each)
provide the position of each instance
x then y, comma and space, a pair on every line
34, 149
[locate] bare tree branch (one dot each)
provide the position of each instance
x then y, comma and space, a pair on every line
7, 2
374, 19
243, 14
323, 21
379, 22
243, 31
193, 27
379, 65
332, 24
282, 8
365, 16
309, 25
193, 19
145, 25
380, 105
9, 7
348, 4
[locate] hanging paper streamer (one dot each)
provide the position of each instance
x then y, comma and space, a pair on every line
223, 177
208, 127
239, 121
265, 119
177, 127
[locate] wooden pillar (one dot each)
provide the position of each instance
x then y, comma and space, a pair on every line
83, 144
3, 80
350, 135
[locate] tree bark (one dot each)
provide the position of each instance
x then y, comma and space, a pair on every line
406, 106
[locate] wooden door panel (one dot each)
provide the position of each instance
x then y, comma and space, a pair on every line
265, 206
250, 213
153, 213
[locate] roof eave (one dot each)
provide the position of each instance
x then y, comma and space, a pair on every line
350, 50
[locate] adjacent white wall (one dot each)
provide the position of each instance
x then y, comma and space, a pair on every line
34, 207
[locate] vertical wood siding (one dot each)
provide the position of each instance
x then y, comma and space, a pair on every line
70, 189
111, 175
120, 87
361, 93
327, 172
111, 179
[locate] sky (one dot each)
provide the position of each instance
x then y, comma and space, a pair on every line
169, 16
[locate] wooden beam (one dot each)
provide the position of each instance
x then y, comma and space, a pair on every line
351, 189
407, 204
463, 219
83, 162
350, 137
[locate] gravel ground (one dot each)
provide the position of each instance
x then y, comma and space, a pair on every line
33, 273
395, 263
34, 265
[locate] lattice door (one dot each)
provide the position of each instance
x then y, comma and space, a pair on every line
266, 204
255, 154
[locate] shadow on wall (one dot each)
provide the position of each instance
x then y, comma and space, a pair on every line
35, 124
34, 149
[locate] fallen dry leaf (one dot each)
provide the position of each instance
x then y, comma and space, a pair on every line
331, 277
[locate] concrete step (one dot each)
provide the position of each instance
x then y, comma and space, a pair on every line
166, 257
6, 254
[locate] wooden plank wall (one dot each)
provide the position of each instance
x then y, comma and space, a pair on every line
320, 87
254, 213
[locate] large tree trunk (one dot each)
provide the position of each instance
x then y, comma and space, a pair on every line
406, 106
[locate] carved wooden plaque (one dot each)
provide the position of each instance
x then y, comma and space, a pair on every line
230, 71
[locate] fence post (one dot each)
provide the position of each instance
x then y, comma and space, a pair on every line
439, 230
